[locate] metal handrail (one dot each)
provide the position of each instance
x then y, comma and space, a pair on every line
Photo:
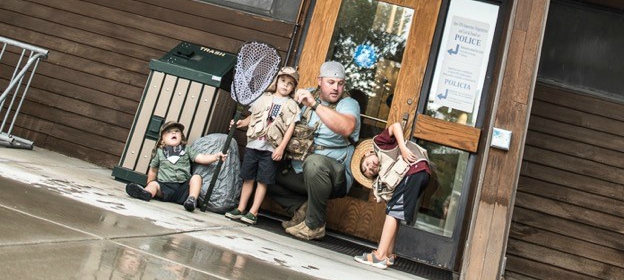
36, 54
18, 78
25, 46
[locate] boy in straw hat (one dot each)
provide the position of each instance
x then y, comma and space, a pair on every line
169, 177
398, 171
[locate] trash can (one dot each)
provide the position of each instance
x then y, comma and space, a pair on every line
190, 84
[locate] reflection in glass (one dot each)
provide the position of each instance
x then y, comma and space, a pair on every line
440, 199
369, 40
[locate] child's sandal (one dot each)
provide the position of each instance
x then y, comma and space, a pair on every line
371, 259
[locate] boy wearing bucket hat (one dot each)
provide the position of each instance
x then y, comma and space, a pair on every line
169, 177
269, 128
397, 171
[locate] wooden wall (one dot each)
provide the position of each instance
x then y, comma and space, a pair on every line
568, 220
498, 169
84, 97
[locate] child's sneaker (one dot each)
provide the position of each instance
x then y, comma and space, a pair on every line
370, 259
249, 218
200, 201
234, 214
137, 191
190, 204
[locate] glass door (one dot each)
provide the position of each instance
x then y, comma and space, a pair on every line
448, 126
386, 47
369, 39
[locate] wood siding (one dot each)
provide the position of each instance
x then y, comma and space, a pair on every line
84, 96
499, 170
568, 220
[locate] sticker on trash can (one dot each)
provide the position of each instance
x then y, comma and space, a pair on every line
216, 78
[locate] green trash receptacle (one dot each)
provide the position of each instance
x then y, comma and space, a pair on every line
190, 84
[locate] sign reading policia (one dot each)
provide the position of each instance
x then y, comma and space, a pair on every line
462, 64
464, 55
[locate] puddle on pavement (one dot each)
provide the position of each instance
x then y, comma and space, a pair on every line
203, 256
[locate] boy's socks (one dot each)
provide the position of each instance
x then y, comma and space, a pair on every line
190, 204
137, 191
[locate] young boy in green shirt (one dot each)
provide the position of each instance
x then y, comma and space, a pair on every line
169, 177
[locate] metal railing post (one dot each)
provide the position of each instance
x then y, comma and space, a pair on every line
14, 87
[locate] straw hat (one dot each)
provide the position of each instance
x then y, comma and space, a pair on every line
356, 161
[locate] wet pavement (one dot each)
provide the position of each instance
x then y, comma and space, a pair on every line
48, 236
62, 218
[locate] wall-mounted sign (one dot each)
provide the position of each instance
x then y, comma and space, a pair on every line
463, 57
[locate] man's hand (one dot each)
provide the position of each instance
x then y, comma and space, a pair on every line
304, 97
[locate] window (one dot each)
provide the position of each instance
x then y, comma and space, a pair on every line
582, 50
286, 10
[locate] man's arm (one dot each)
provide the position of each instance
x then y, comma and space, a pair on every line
343, 124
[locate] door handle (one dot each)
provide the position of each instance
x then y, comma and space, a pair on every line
404, 120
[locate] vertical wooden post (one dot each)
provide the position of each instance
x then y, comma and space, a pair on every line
491, 216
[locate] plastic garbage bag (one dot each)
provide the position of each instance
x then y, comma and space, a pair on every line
227, 189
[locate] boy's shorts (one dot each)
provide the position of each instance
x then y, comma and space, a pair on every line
404, 202
259, 166
174, 192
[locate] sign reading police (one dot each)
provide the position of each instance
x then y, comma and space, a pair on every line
457, 84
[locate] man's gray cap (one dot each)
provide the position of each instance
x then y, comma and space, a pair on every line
332, 69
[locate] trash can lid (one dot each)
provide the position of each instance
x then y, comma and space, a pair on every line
197, 63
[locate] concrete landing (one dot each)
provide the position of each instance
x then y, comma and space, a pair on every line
62, 218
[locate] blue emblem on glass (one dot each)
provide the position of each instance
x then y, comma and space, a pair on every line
365, 56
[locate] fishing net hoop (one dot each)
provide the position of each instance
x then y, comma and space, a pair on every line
256, 66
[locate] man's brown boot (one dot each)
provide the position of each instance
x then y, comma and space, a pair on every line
304, 232
298, 217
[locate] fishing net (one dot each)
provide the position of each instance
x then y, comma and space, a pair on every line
256, 66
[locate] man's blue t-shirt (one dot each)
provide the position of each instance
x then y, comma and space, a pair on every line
326, 137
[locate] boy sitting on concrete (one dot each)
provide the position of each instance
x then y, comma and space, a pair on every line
169, 177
